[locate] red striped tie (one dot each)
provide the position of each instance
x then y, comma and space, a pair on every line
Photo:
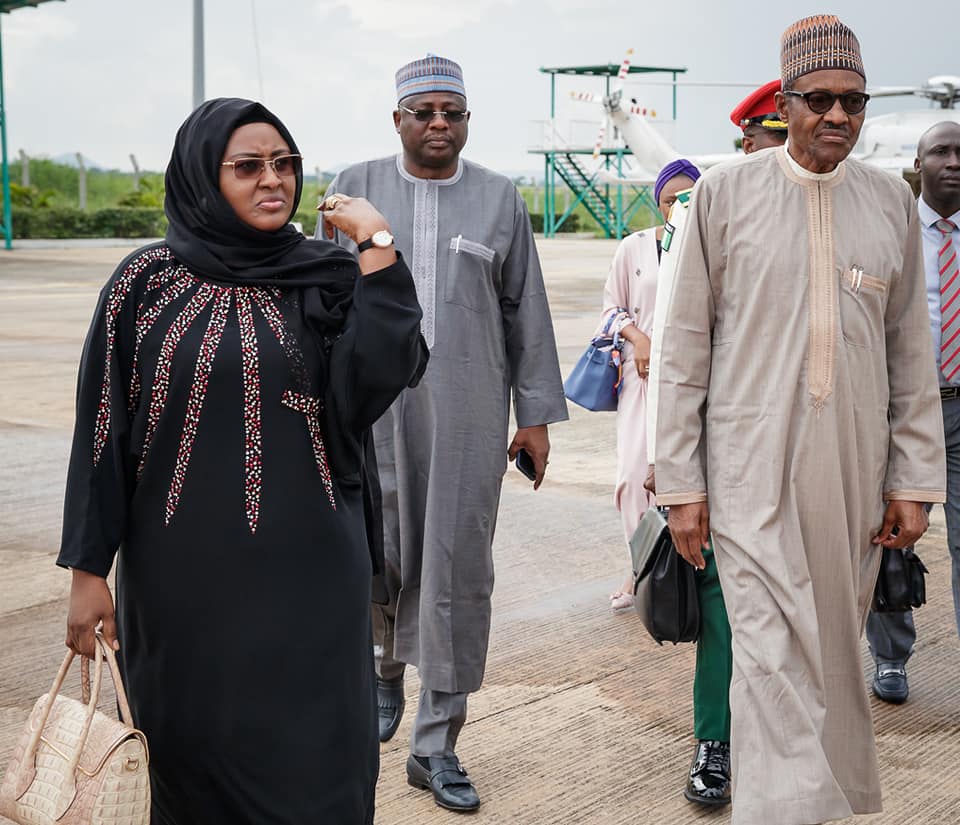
949, 303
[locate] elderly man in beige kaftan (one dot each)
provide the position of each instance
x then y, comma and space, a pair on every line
797, 395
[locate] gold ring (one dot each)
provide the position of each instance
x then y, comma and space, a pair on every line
330, 203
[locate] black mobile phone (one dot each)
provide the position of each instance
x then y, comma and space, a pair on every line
525, 464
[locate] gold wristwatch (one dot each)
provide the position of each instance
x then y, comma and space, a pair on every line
380, 240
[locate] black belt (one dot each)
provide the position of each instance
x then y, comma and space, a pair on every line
949, 392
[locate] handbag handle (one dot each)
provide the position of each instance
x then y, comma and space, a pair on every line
110, 659
68, 791
605, 332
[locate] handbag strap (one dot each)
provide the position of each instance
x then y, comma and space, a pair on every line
605, 331
614, 314
110, 659
30, 755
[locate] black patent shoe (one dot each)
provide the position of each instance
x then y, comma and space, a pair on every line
390, 703
890, 683
709, 780
446, 778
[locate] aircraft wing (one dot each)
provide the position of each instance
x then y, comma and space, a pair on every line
706, 161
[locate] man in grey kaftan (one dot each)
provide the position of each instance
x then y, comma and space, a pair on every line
442, 448
800, 427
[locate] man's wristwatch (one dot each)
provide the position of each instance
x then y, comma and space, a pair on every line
380, 240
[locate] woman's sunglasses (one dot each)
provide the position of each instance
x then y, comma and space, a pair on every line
286, 166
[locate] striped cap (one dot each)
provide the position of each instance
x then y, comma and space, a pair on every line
816, 43
431, 74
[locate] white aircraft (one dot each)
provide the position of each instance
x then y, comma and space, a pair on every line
888, 141
651, 151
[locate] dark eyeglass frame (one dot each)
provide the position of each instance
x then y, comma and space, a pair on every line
262, 163
845, 98
427, 115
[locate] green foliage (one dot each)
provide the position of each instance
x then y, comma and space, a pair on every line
29, 196
306, 214
571, 224
128, 222
67, 222
307, 220
46, 174
105, 188
48, 208
149, 194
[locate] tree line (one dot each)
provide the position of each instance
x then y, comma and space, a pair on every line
50, 199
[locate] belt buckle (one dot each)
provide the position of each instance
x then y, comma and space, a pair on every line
949, 392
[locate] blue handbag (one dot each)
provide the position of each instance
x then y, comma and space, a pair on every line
594, 382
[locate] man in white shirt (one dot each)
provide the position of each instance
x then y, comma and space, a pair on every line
891, 635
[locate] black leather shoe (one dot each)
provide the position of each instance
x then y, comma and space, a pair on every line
446, 778
709, 780
890, 683
390, 704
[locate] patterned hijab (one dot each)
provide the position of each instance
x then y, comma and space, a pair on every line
206, 235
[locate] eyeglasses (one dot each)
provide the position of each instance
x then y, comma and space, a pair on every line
822, 102
286, 166
427, 115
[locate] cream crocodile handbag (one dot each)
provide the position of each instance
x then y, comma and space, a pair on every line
74, 765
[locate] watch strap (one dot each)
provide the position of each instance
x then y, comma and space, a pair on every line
381, 239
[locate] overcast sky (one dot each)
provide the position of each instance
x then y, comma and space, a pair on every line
114, 77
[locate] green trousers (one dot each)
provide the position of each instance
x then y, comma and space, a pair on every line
711, 684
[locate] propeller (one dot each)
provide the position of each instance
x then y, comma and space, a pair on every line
942, 89
624, 69
586, 97
616, 93
611, 103
601, 136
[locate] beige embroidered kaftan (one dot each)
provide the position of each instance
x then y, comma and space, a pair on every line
797, 392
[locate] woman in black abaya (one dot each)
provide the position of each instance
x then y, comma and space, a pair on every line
226, 385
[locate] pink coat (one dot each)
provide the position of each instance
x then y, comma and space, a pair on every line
630, 294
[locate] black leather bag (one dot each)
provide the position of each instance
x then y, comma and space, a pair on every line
664, 585
900, 583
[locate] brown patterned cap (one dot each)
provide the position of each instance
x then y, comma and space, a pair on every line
815, 43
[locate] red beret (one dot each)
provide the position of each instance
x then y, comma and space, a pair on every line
757, 104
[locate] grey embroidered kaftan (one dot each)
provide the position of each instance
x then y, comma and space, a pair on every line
797, 392
441, 448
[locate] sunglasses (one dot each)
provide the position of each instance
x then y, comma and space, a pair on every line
822, 102
427, 115
286, 166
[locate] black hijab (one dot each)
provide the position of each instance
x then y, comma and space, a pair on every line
206, 235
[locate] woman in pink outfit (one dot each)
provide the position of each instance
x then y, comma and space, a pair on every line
628, 298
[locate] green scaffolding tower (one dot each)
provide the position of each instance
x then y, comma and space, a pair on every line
611, 205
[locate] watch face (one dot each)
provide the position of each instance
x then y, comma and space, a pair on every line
382, 239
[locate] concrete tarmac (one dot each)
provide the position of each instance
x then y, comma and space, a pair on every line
582, 718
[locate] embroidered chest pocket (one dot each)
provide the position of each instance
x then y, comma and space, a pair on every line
863, 299
470, 275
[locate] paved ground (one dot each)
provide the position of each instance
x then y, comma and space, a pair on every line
582, 718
